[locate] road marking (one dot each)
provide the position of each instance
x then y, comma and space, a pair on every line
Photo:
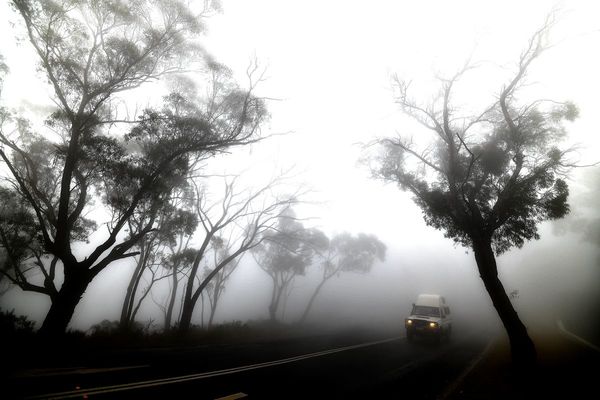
456, 383
564, 331
202, 375
233, 396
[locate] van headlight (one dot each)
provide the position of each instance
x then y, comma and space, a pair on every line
433, 324
409, 321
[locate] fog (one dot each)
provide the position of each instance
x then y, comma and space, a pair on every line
556, 279
329, 66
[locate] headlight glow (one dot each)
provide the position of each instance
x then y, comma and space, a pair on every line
432, 324
409, 321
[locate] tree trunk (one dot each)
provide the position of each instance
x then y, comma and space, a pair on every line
188, 307
169, 314
190, 299
202, 311
64, 302
186, 315
275, 299
211, 316
522, 347
190, 296
311, 301
273, 312
127, 307
141, 299
272, 306
213, 304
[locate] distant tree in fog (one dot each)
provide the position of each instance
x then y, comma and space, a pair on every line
240, 218
90, 52
221, 251
347, 253
287, 252
488, 180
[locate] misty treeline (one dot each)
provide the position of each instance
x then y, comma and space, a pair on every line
92, 186
486, 180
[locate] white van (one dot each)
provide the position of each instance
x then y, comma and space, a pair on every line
430, 316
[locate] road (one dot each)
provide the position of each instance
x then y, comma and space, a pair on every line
360, 366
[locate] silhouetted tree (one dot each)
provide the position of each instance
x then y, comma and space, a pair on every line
177, 263
490, 179
90, 51
216, 286
156, 250
347, 253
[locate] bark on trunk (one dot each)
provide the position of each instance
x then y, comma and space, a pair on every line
64, 303
522, 348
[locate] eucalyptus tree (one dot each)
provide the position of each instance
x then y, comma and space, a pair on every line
244, 216
157, 250
488, 180
286, 253
178, 258
346, 253
221, 250
90, 53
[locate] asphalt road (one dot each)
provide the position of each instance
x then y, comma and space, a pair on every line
342, 366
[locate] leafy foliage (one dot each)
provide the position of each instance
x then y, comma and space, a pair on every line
290, 248
90, 51
354, 254
498, 182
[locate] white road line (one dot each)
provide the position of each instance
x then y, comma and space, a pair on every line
203, 375
564, 331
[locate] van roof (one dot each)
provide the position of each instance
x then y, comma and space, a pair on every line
431, 300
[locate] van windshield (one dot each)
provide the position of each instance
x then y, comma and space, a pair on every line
426, 310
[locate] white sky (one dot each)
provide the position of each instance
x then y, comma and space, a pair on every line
330, 62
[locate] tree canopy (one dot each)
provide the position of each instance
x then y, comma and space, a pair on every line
90, 52
497, 174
